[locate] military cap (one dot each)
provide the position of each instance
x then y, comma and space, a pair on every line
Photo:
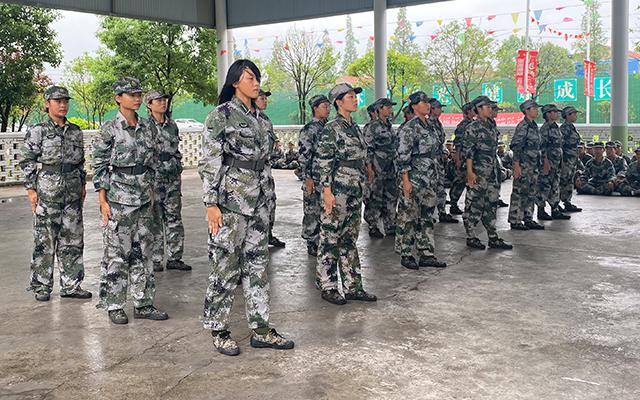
618, 143
435, 103
589, 145
407, 109
482, 101
610, 144
597, 145
549, 108
318, 99
417, 97
449, 141
371, 108
383, 102
154, 95
527, 104
568, 110
581, 144
263, 93
496, 107
126, 85
467, 107
341, 89
56, 92
500, 143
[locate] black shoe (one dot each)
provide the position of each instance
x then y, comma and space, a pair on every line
502, 203
568, 207
312, 249
118, 317
375, 233
455, 210
79, 293
149, 312
333, 296
275, 242
42, 296
557, 214
271, 340
157, 267
361, 296
475, 243
533, 225
499, 244
543, 216
559, 208
519, 227
431, 261
448, 218
408, 262
179, 265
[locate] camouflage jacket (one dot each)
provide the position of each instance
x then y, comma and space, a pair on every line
551, 143
598, 172
290, 156
480, 146
438, 129
633, 175
342, 143
582, 161
507, 159
48, 143
307, 148
525, 143
418, 152
570, 141
382, 145
619, 165
459, 135
117, 144
169, 157
233, 131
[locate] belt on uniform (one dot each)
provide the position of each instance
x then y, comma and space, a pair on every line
62, 167
357, 164
256, 165
165, 156
135, 170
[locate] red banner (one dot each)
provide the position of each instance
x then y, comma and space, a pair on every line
533, 68
520, 61
531, 71
589, 77
512, 118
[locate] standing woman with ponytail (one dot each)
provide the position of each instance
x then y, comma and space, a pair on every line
235, 174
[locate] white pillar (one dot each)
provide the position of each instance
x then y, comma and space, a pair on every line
380, 46
230, 40
620, 71
221, 37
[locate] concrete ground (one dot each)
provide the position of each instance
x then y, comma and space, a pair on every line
556, 318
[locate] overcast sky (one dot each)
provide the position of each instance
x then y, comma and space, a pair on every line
76, 31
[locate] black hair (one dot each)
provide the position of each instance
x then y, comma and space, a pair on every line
545, 116
339, 98
233, 76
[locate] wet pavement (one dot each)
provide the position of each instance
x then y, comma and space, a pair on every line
556, 318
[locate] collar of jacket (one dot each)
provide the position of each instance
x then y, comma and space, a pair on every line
120, 119
54, 125
530, 123
344, 121
237, 103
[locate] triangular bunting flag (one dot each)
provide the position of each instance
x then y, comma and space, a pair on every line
542, 27
516, 30
412, 38
223, 52
433, 37
468, 21
418, 23
490, 17
537, 14
515, 16
372, 38
567, 19
439, 21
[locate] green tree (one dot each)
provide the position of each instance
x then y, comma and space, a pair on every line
28, 42
403, 37
307, 62
506, 56
350, 53
167, 57
592, 23
460, 59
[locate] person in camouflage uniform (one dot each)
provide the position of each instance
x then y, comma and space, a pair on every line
237, 184
630, 186
56, 192
418, 152
382, 144
276, 156
583, 158
124, 157
480, 145
168, 191
438, 129
620, 152
525, 145
619, 163
460, 182
311, 188
551, 155
341, 157
570, 143
599, 174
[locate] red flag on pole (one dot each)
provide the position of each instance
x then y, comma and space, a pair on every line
589, 77
520, 68
532, 70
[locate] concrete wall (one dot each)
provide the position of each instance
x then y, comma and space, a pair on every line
10, 144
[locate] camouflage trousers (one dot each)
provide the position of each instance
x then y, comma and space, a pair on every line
440, 189
481, 204
338, 236
567, 179
627, 189
128, 243
57, 233
594, 188
239, 254
523, 194
548, 187
381, 206
415, 223
271, 205
168, 230
311, 208
458, 185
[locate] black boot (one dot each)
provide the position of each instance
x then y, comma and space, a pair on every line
275, 242
312, 249
543, 216
431, 261
375, 233
179, 265
519, 227
568, 207
499, 244
408, 262
455, 210
475, 243
447, 218
533, 225
557, 214
502, 203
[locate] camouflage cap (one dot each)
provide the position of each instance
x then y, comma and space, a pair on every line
500, 143
318, 99
448, 141
126, 85
371, 108
527, 104
154, 95
610, 144
568, 110
581, 144
467, 107
597, 145
56, 92
342, 89
549, 108
383, 102
417, 97
496, 107
435, 103
618, 143
263, 93
483, 101
589, 145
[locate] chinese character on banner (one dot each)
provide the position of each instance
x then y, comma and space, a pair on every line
532, 69
589, 77
520, 61
565, 90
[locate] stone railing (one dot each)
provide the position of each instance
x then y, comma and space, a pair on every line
10, 144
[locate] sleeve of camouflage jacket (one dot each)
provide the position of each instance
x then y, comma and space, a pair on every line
544, 141
305, 149
368, 133
30, 152
210, 165
405, 147
518, 141
102, 148
325, 153
469, 144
